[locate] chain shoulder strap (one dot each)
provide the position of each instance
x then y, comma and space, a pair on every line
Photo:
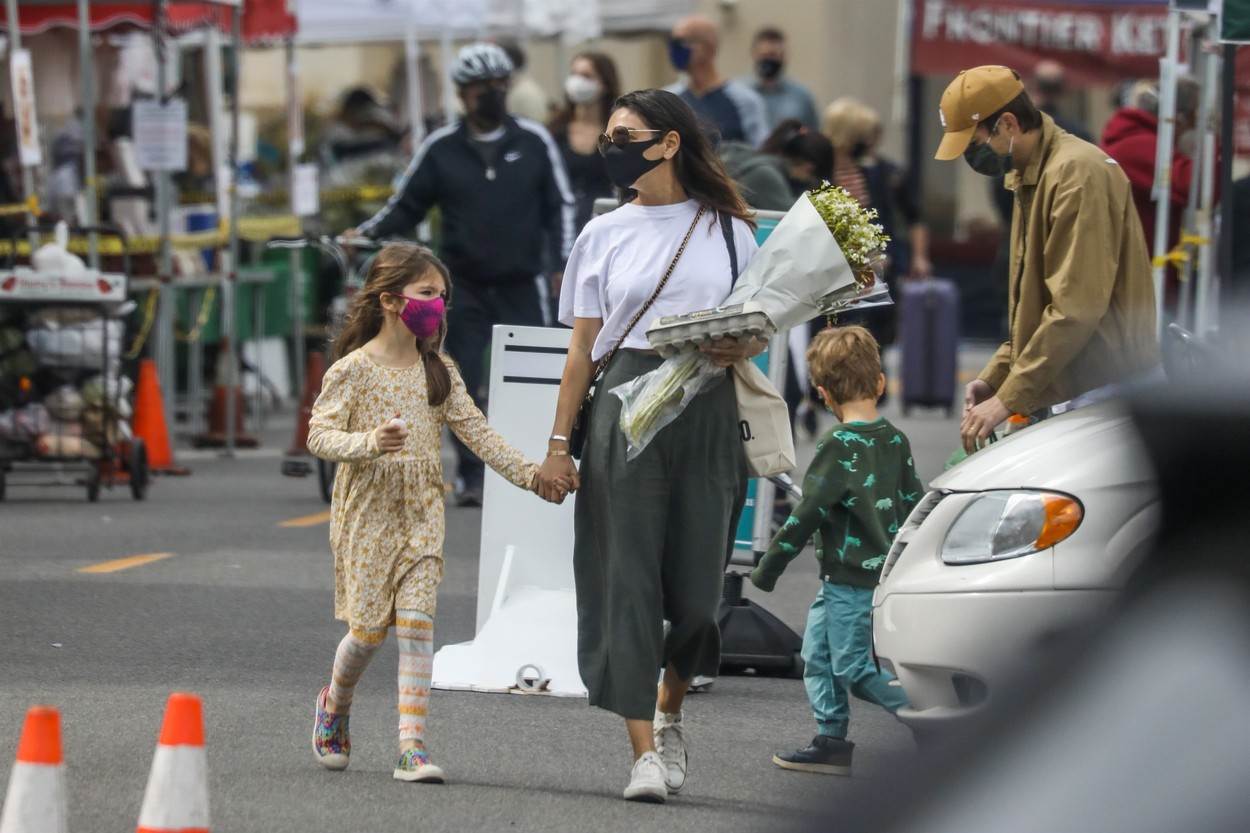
603, 363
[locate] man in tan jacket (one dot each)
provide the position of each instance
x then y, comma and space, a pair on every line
1081, 314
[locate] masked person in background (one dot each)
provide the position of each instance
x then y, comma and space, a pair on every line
784, 99
727, 110
591, 87
1081, 305
507, 210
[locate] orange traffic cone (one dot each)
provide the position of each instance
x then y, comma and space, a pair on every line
312, 388
215, 436
36, 798
177, 795
149, 422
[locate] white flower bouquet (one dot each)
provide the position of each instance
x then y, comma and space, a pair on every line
819, 260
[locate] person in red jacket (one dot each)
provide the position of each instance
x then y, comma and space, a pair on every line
1130, 138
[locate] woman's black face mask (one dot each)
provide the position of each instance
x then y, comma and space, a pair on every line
626, 165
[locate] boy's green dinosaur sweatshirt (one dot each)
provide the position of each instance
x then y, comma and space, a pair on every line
860, 488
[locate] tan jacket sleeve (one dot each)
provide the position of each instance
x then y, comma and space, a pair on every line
469, 424
1080, 266
999, 366
328, 434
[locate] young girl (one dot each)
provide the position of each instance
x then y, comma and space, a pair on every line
382, 407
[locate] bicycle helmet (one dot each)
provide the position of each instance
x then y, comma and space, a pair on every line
480, 62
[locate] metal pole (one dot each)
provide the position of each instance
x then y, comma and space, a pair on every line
15, 43
195, 363
164, 340
1163, 160
228, 286
86, 72
216, 130
296, 260
1205, 220
1199, 61
449, 91
416, 97
1234, 291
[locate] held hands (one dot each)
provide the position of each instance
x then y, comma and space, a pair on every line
728, 351
391, 435
556, 479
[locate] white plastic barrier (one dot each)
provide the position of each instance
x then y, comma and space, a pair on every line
526, 612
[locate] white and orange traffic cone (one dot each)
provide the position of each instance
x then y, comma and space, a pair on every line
36, 799
177, 795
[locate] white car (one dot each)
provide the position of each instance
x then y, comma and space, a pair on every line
1024, 540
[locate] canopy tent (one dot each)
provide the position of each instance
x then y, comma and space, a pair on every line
268, 18
262, 19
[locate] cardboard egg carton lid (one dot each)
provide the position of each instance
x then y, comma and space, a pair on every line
674, 334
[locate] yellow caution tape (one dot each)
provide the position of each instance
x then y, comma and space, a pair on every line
145, 329
29, 206
1179, 255
201, 318
329, 196
252, 229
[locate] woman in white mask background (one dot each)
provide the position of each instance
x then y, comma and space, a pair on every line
591, 87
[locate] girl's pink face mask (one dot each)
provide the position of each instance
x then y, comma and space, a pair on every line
422, 317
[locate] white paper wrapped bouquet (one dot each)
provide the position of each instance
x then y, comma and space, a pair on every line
821, 259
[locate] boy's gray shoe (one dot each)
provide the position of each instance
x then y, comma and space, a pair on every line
826, 755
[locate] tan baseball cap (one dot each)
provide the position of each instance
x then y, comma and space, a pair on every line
972, 97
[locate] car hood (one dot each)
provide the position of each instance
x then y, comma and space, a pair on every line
1090, 448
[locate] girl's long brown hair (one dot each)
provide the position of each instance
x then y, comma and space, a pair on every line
396, 266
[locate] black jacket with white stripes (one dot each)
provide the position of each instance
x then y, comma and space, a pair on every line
495, 219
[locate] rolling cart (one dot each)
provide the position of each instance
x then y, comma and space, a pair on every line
65, 404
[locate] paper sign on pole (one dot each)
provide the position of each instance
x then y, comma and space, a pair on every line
31, 153
305, 196
160, 134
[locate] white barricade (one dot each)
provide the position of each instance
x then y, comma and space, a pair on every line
526, 613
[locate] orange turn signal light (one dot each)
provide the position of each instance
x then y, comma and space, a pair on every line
1063, 516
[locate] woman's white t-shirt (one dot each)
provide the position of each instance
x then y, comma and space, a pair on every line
620, 257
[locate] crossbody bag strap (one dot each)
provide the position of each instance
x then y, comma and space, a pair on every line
603, 363
727, 229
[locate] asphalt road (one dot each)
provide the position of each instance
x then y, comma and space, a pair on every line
240, 613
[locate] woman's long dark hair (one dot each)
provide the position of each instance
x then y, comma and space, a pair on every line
396, 266
696, 165
609, 79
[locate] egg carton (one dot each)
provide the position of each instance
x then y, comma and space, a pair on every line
674, 334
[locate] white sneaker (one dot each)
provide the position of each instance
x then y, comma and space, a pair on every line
646, 781
670, 743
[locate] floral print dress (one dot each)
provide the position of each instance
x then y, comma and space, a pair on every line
386, 516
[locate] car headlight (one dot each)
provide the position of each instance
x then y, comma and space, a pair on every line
1008, 524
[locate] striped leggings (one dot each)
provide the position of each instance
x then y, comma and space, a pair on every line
415, 632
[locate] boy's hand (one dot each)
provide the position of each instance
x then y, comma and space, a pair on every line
763, 582
391, 436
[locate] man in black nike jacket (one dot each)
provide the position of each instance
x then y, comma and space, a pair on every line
507, 217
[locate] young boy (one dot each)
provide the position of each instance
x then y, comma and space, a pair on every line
860, 488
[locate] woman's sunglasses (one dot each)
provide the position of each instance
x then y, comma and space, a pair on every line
621, 137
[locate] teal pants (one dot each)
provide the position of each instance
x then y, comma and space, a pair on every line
838, 656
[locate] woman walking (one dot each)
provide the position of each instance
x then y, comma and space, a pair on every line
651, 533
589, 92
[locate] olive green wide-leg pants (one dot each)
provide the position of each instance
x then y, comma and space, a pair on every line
651, 538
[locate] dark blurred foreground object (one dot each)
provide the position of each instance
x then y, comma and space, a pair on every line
1139, 724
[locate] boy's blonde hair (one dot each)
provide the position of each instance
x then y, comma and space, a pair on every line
845, 361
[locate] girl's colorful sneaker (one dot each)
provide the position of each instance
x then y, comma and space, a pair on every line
331, 741
414, 765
